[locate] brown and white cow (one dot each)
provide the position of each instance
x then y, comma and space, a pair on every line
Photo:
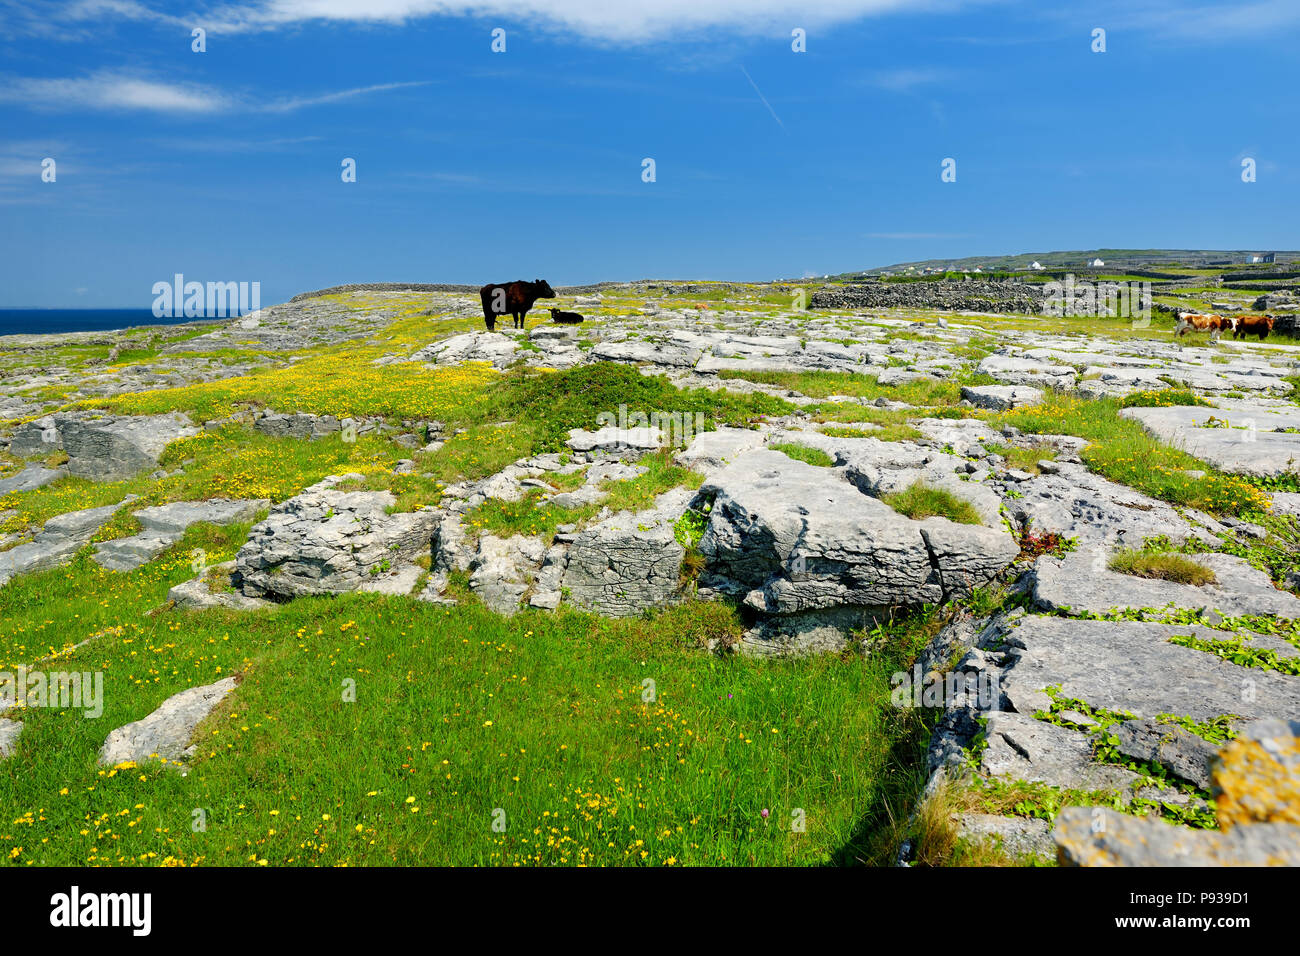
1200, 322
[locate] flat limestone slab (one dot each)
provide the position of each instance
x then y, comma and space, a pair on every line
1131, 666
1081, 582
1251, 445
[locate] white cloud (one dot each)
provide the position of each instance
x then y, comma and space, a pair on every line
288, 105
624, 21
907, 79
109, 90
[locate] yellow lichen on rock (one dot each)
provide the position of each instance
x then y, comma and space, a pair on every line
1258, 780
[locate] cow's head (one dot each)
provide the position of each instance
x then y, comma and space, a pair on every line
543, 289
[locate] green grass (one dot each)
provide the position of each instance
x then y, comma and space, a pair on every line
458, 713
1021, 457
1164, 566
1162, 398
811, 456
825, 384
233, 462
920, 501
898, 431
532, 516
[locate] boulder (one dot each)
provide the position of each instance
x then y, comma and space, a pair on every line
788, 536
470, 347
629, 562
62, 537
1025, 371
164, 525
10, 731
215, 587
613, 439
1001, 398
30, 478
503, 570
107, 448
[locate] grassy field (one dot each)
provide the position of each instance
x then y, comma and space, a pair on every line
459, 715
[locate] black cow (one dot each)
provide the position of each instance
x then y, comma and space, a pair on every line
565, 318
512, 298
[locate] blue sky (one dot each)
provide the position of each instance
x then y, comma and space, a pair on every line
475, 166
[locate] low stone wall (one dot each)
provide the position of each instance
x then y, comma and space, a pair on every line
971, 296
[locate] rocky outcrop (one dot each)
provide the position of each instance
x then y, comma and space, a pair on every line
102, 448
30, 478
215, 587
1256, 784
56, 543
629, 562
1096, 836
1081, 582
789, 537
1001, 398
329, 541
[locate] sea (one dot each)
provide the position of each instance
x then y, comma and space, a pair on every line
41, 321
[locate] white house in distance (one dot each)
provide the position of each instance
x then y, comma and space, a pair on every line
1096, 263
1036, 265
1261, 257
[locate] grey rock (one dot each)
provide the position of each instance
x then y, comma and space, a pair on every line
788, 537
628, 563
167, 731
1001, 397
1096, 836
503, 570
10, 731
1018, 837
115, 448
62, 537
1082, 582
30, 478
1025, 371
1181, 752
1129, 666
1022, 748
197, 594
1251, 445
615, 439
164, 525
326, 540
